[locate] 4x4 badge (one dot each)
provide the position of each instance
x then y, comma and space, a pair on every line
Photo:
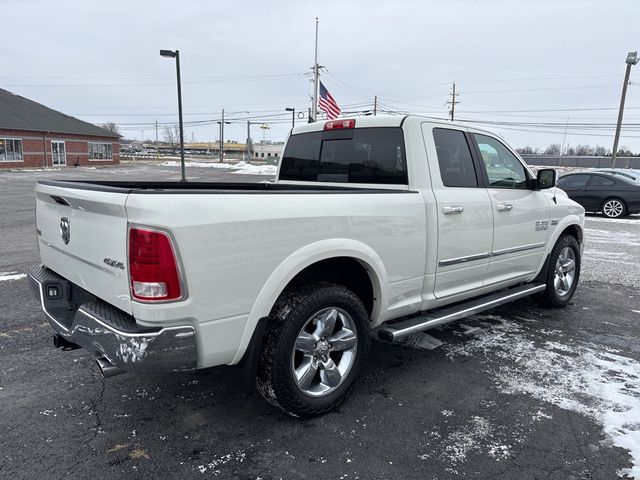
65, 229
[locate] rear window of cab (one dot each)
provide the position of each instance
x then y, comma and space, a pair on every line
358, 155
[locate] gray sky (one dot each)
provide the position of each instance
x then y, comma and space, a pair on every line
530, 63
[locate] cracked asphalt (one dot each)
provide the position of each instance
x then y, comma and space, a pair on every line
445, 405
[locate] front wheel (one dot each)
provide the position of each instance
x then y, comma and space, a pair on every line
314, 347
564, 272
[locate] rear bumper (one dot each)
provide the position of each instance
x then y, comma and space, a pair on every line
107, 332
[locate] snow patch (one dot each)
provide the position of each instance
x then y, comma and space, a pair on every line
11, 276
240, 167
589, 379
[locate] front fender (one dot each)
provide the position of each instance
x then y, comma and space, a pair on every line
301, 259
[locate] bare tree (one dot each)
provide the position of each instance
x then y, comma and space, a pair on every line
525, 150
111, 127
172, 137
553, 149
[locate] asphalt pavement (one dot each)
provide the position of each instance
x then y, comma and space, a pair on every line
520, 392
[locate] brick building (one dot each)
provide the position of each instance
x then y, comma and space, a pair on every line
32, 135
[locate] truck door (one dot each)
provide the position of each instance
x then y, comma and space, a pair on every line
520, 215
464, 213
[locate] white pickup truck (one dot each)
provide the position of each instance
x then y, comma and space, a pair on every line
392, 224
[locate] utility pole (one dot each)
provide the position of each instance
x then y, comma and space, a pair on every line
566, 126
222, 138
222, 122
316, 76
156, 140
375, 105
632, 59
453, 101
248, 139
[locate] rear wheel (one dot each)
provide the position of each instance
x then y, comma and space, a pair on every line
564, 272
614, 208
313, 350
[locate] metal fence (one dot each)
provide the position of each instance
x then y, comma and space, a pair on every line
580, 161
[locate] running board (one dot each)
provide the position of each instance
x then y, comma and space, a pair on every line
413, 325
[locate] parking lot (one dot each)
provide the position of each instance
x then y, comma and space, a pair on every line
519, 392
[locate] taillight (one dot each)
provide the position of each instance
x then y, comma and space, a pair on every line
339, 124
153, 269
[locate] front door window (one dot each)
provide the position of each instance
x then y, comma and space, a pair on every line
58, 153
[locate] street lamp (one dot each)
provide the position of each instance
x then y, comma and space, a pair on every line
632, 59
293, 115
176, 55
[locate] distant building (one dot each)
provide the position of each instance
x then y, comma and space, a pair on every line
267, 150
32, 135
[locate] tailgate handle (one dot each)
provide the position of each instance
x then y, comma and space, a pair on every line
59, 200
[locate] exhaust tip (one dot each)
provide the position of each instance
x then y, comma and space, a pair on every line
107, 369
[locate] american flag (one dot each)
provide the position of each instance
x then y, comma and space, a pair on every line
328, 104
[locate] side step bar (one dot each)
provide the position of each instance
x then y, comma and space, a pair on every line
396, 331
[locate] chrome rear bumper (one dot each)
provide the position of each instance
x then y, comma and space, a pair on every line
109, 333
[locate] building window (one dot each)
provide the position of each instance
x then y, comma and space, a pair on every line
100, 151
268, 154
10, 150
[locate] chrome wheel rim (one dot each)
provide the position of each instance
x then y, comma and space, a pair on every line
324, 352
565, 271
613, 208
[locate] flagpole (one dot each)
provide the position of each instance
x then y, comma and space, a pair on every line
316, 75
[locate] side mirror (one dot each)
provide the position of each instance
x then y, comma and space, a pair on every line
546, 179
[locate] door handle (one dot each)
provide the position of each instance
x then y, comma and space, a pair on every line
452, 210
504, 207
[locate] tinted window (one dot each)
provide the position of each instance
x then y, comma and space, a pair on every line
502, 166
361, 155
599, 181
454, 158
573, 182
300, 158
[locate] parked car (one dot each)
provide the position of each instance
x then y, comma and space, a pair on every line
391, 223
612, 194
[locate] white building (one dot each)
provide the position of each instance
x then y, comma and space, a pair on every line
267, 150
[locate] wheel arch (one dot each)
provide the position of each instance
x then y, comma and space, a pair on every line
313, 261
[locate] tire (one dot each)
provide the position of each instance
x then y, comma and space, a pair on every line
614, 208
564, 272
307, 367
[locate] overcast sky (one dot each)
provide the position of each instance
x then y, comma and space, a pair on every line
532, 64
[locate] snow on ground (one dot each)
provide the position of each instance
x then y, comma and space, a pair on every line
11, 276
592, 380
240, 167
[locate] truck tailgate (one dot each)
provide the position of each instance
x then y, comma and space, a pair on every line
82, 236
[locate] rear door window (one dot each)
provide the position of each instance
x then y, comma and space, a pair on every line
360, 155
454, 158
573, 182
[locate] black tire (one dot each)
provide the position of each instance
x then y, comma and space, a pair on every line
611, 207
292, 312
560, 297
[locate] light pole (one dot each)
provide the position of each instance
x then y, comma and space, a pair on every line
293, 115
632, 59
176, 55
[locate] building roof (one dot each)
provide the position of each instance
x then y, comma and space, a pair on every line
19, 113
